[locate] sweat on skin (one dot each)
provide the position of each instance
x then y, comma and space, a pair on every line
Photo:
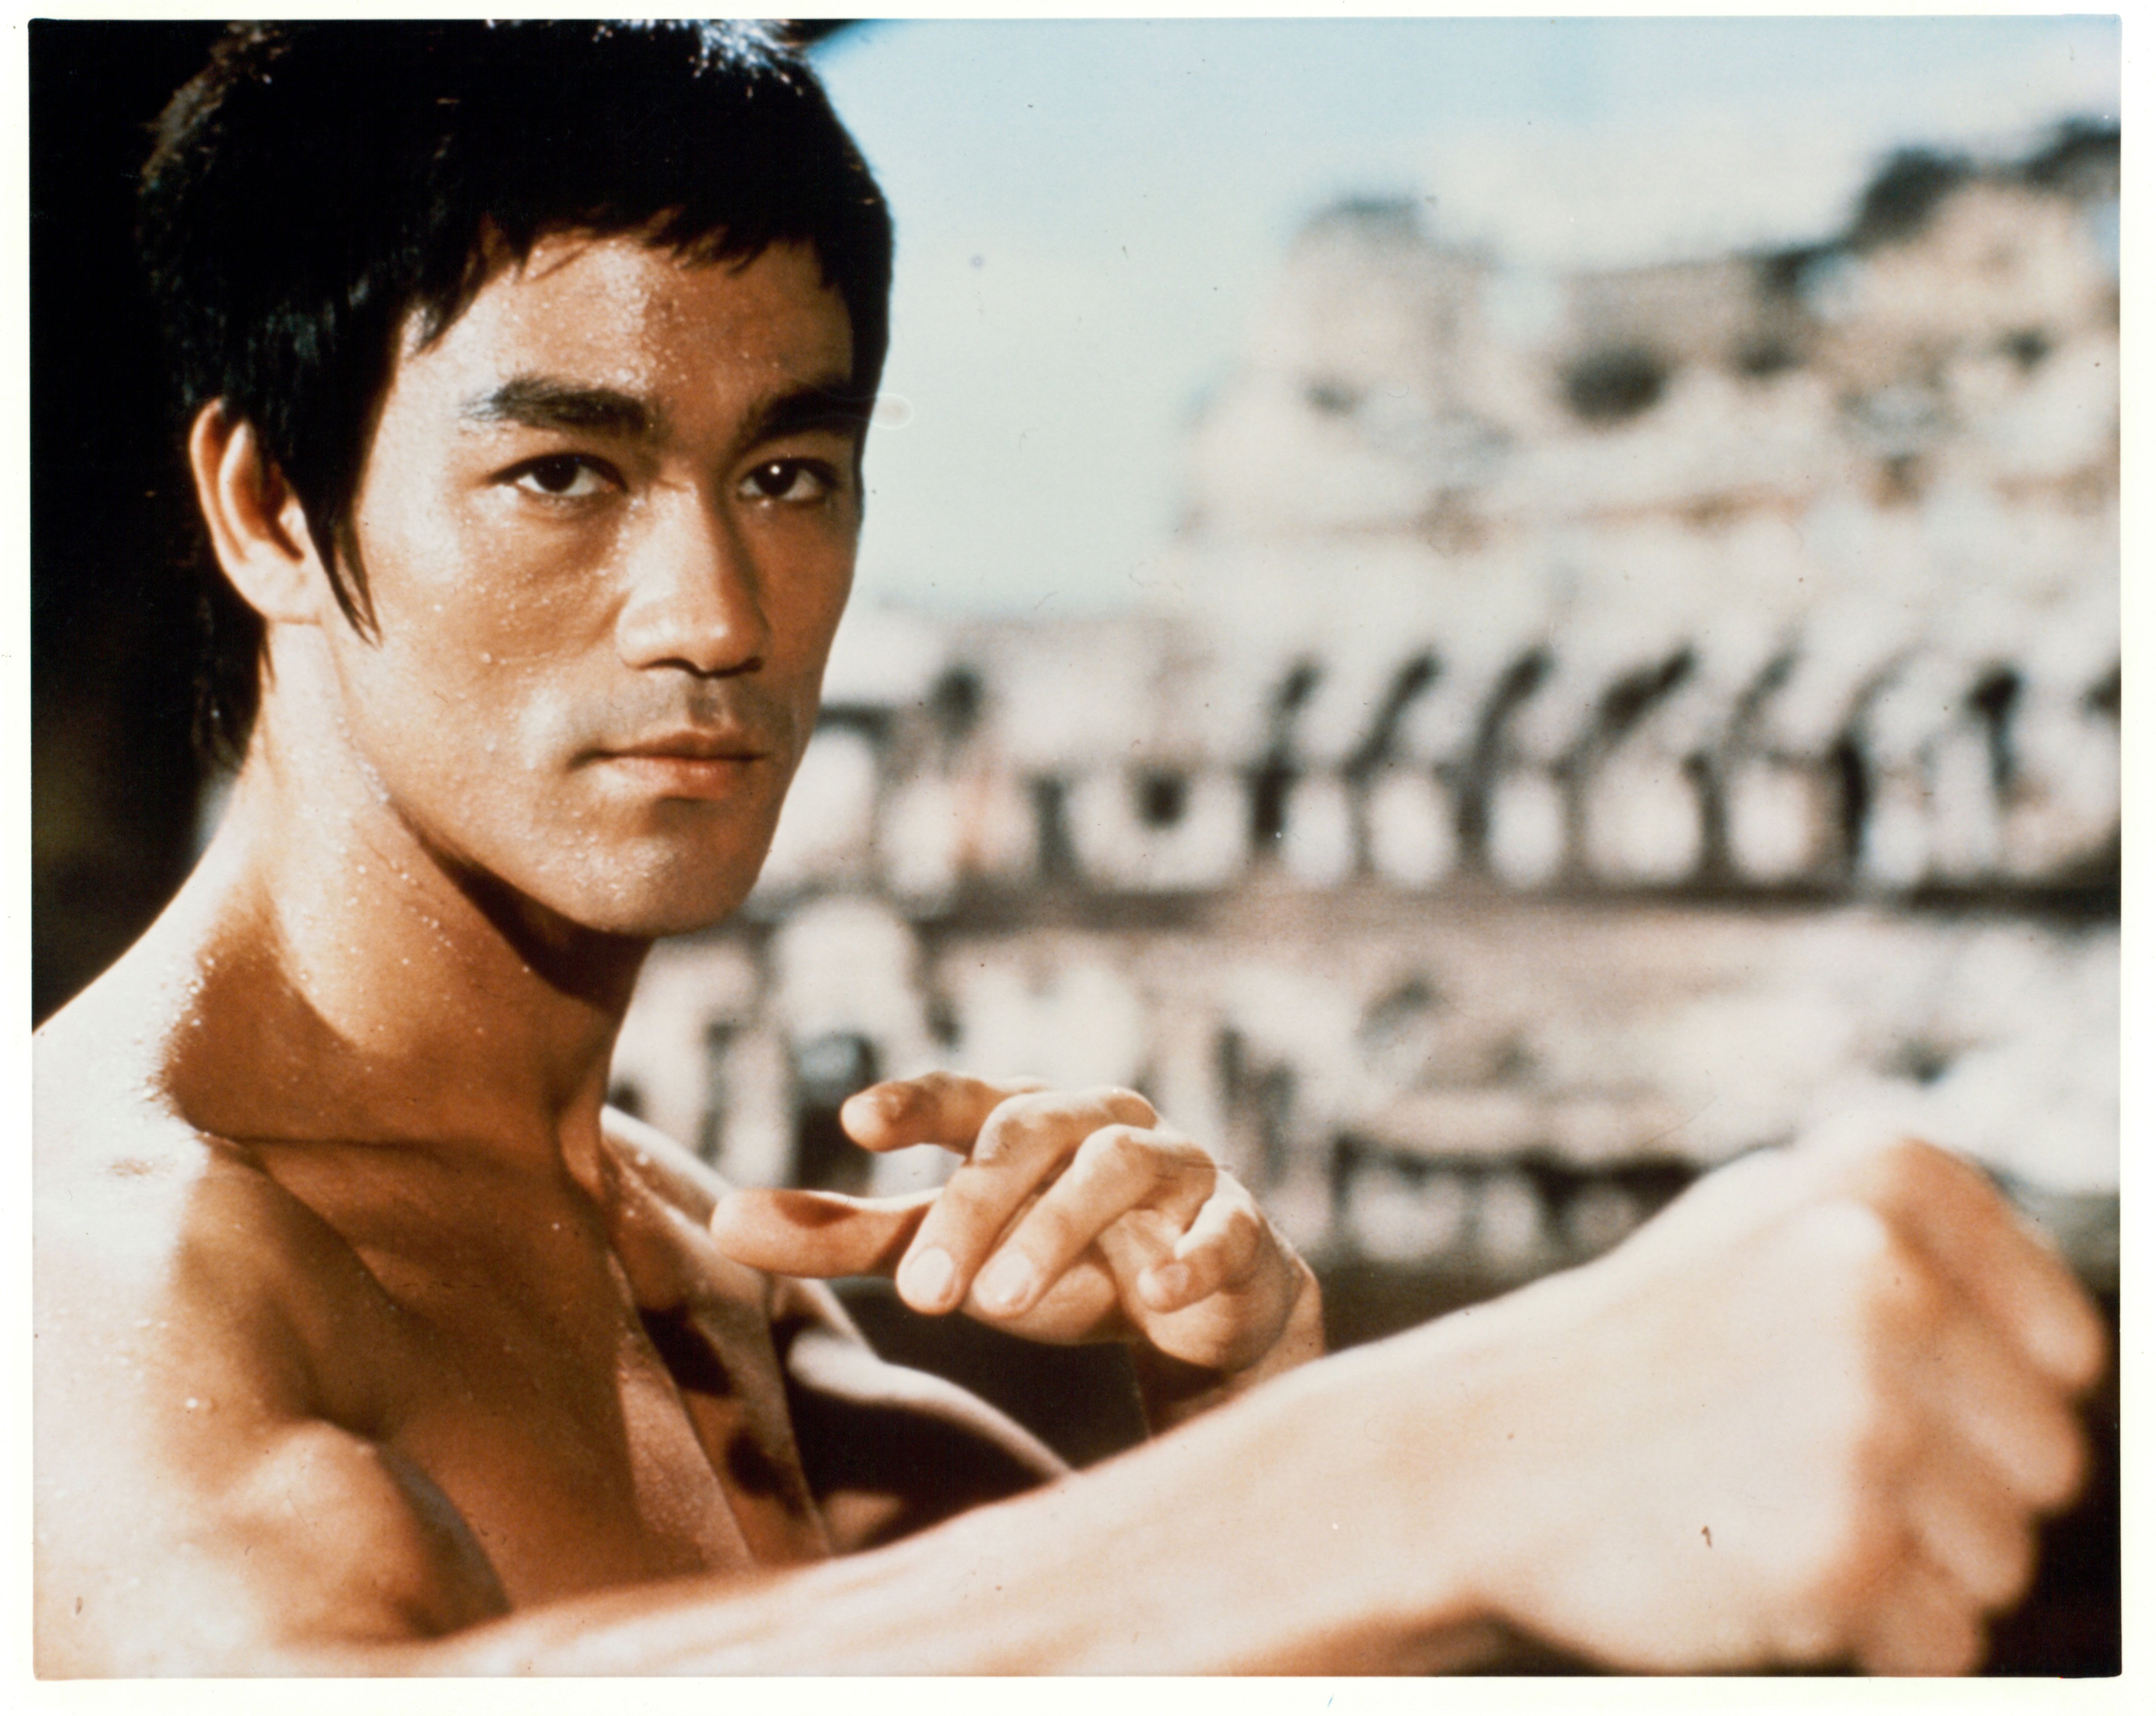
370, 1342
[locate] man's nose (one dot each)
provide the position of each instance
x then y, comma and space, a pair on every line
694, 601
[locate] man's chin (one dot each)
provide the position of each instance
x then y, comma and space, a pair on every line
676, 921
638, 886
675, 896
648, 916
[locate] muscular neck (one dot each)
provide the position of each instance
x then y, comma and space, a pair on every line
343, 981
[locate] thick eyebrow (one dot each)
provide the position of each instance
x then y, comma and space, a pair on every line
539, 401
819, 406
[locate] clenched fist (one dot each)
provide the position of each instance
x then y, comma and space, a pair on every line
1810, 1414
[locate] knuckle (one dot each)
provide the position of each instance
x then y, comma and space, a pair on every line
2083, 1342
1125, 1105
1021, 1109
1117, 1151
1242, 1226
1909, 1297
1188, 1156
934, 1087
1851, 1554
1829, 1584
1879, 1431
1861, 1429
1862, 1272
1884, 1163
1844, 1234
1015, 1126
1904, 1162
2059, 1459
2012, 1566
1897, 1291
1241, 1241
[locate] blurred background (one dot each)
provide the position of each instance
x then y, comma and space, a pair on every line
1493, 613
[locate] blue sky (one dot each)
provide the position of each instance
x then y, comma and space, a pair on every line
1090, 213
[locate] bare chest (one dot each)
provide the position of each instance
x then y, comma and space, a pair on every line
589, 1434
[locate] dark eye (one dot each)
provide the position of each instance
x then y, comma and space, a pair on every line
562, 477
791, 480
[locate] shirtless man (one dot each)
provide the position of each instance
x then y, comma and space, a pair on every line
527, 372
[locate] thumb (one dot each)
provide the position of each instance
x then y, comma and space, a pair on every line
817, 1234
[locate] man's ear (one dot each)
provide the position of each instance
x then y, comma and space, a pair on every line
256, 524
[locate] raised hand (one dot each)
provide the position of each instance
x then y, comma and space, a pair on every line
1075, 1216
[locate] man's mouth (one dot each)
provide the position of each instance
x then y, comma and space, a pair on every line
689, 763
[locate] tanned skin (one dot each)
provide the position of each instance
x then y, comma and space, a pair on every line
369, 1341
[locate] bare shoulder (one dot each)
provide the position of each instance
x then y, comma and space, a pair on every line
665, 1166
134, 1211
663, 1232
208, 1493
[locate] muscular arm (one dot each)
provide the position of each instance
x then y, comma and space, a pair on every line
208, 1503
199, 1504
1849, 1370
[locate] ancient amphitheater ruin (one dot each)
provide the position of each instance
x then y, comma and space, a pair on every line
1602, 723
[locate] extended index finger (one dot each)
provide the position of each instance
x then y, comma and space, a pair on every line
819, 1234
946, 1108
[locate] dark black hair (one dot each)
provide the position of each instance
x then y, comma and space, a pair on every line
316, 186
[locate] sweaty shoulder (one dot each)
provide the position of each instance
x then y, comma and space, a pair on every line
662, 1223
134, 1209
208, 1492
667, 1168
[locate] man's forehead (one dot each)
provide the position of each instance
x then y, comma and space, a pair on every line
620, 323
582, 288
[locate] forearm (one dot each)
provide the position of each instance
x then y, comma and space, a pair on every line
1238, 1544
1608, 1461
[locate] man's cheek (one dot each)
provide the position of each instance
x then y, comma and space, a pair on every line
549, 724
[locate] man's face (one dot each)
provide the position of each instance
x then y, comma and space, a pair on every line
607, 524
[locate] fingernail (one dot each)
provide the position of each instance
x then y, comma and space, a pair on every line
926, 1278
876, 1105
891, 1100
2068, 1345
1007, 1283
